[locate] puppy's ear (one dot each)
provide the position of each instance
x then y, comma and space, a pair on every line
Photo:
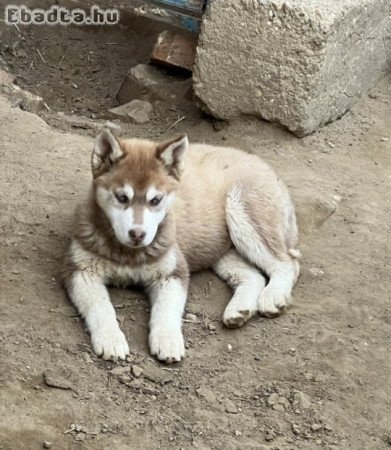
106, 151
172, 154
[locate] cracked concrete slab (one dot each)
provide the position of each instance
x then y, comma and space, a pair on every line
301, 64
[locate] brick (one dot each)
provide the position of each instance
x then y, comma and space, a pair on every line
174, 50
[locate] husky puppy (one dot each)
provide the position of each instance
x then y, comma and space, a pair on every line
159, 210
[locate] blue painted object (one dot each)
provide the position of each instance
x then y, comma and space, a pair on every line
188, 5
184, 13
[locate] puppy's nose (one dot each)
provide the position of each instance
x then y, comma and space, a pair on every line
137, 234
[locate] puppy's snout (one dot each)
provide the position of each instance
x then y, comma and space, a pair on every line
137, 235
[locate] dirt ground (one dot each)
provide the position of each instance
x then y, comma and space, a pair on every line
317, 377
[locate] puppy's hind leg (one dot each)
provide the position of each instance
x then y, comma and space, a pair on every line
247, 283
256, 228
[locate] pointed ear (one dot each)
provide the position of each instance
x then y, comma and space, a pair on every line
106, 151
172, 153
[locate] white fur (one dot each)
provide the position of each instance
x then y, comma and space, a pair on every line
127, 190
283, 274
151, 220
91, 298
247, 283
168, 298
120, 275
122, 217
152, 192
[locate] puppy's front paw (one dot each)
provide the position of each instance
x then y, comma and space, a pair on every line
110, 343
272, 302
167, 345
239, 311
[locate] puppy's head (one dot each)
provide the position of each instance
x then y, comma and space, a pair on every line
135, 183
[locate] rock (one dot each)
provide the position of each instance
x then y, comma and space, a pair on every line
313, 210
272, 400
175, 49
120, 370
310, 60
80, 437
47, 444
208, 395
6, 77
269, 436
148, 390
24, 99
296, 428
156, 374
284, 401
279, 407
301, 400
136, 111
148, 83
58, 379
315, 272
316, 427
191, 318
137, 371
211, 327
230, 407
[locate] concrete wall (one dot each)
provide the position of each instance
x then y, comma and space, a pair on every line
301, 64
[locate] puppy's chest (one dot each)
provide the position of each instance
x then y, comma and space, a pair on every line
123, 275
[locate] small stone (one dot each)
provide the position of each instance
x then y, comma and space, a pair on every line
279, 407
229, 347
211, 327
87, 358
273, 399
384, 139
23, 99
80, 437
238, 433
47, 444
156, 374
314, 271
269, 436
296, 429
283, 401
191, 317
136, 111
208, 395
58, 379
137, 371
301, 400
315, 427
120, 370
6, 77
230, 407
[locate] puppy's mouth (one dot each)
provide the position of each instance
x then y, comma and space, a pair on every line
135, 244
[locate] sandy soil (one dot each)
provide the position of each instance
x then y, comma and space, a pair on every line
317, 377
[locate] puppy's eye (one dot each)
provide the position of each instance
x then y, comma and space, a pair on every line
156, 200
122, 198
